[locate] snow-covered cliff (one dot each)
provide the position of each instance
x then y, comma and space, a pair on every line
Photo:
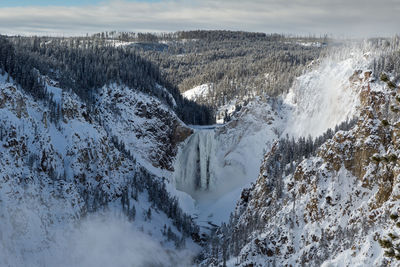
336, 207
83, 187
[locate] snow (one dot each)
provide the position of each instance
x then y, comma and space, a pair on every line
42, 214
319, 99
323, 98
310, 44
301, 236
228, 157
217, 211
118, 43
168, 94
118, 106
55, 92
227, 109
198, 92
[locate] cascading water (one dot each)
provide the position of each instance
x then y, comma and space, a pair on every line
214, 165
193, 172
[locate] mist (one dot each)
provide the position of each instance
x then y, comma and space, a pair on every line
43, 231
323, 97
108, 241
100, 240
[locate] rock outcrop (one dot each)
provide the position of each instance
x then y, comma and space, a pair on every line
147, 127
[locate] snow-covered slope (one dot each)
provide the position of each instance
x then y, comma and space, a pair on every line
323, 97
199, 92
338, 207
71, 190
335, 207
147, 128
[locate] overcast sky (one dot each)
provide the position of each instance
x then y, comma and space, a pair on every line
339, 18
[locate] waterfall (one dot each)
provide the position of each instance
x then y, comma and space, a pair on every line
193, 170
214, 165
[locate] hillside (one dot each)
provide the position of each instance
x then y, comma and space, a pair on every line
336, 206
81, 180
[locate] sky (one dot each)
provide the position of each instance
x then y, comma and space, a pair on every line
337, 18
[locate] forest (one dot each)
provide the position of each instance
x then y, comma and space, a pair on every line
238, 65
86, 67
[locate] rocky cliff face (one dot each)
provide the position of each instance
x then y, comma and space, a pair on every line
146, 127
337, 206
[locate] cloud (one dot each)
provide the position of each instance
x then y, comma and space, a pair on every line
337, 17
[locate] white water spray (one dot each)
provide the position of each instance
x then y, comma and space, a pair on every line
324, 97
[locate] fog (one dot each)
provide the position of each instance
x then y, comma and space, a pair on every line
45, 235
323, 98
104, 241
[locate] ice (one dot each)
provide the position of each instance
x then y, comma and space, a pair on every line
193, 171
217, 162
